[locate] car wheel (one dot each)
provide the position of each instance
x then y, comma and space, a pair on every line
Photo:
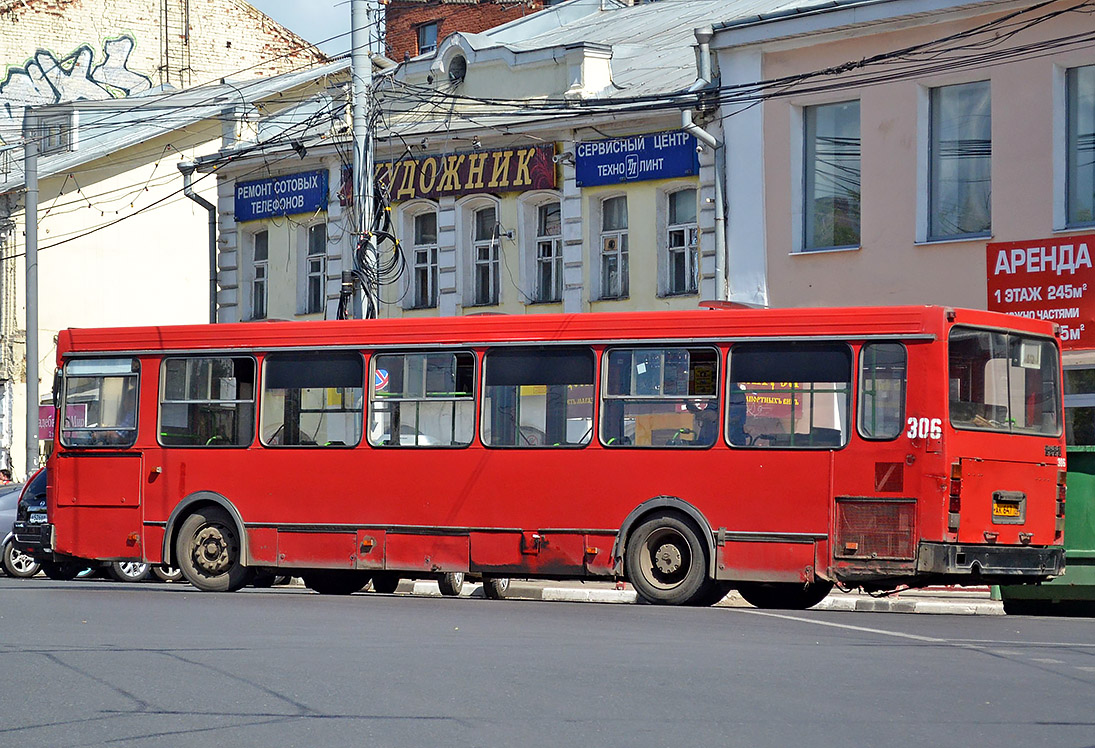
129, 571
167, 573
495, 588
451, 583
18, 564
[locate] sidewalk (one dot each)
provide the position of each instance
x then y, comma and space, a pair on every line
931, 600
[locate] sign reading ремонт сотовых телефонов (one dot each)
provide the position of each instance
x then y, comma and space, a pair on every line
285, 195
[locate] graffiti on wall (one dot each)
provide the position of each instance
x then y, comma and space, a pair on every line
44, 79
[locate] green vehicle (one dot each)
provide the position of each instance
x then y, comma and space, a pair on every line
1072, 593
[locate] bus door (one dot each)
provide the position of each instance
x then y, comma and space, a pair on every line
97, 467
877, 480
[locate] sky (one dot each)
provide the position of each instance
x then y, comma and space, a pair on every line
315, 20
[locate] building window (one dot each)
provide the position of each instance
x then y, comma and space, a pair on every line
683, 243
1081, 146
316, 280
960, 174
538, 397
260, 258
614, 270
427, 37
832, 176
485, 249
424, 267
549, 253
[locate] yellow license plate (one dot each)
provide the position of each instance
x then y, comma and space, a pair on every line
1005, 509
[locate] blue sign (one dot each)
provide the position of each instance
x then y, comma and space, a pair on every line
639, 158
281, 196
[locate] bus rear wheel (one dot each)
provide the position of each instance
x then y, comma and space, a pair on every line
784, 595
62, 571
208, 550
385, 582
336, 581
664, 561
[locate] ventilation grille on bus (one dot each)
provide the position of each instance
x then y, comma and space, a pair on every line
875, 529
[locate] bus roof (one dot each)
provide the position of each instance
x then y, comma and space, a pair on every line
699, 324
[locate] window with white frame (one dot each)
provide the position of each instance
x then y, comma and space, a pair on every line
424, 265
613, 248
682, 243
427, 37
1080, 106
959, 169
831, 182
260, 262
549, 252
316, 269
485, 253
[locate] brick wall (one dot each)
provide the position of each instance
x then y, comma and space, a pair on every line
144, 43
403, 17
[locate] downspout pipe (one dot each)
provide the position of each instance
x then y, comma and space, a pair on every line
703, 65
187, 170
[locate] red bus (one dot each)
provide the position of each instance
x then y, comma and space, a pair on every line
776, 452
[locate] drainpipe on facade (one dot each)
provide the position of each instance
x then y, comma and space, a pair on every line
703, 64
187, 170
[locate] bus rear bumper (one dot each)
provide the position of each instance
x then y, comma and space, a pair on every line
991, 563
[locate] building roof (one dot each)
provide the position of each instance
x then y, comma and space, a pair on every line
106, 127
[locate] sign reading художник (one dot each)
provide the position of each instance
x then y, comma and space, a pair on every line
504, 170
1050, 279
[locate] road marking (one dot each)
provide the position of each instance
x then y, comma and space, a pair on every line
1046, 660
848, 627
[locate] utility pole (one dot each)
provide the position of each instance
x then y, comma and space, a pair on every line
361, 22
30, 218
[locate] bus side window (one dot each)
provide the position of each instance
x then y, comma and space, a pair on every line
312, 400
207, 402
794, 394
660, 397
883, 369
422, 400
538, 397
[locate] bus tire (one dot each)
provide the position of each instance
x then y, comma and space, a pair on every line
496, 588
1022, 607
335, 581
208, 551
712, 593
665, 560
62, 571
385, 582
451, 583
784, 595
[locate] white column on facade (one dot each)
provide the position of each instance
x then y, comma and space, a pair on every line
228, 257
743, 126
574, 300
340, 246
705, 222
450, 300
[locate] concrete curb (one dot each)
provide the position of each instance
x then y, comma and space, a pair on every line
942, 603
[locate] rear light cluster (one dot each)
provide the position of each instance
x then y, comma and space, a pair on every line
954, 506
1060, 529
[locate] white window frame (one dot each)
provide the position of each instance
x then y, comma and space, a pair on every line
258, 274
313, 269
529, 206
601, 238
429, 267
690, 249
466, 246
405, 219
486, 257
1067, 154
931, 233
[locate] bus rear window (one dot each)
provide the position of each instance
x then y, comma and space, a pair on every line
100, 403
1003, 382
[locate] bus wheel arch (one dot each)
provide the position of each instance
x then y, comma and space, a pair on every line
193, 503
666, 551
210, 546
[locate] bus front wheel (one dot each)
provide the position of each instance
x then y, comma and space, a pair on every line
208, 550
664, 561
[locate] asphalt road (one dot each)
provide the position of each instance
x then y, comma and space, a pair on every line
92, 663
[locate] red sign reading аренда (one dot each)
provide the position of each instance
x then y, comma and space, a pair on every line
1046, 279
